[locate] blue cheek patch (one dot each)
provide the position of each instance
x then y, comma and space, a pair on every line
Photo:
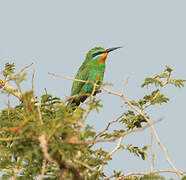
97, 57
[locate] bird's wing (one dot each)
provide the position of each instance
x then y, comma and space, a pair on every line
77, 86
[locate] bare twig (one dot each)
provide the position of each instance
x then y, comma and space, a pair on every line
69, 98
19, 87
33, 75
118, 146
108, 125
25, 67
85, 165
152, 153
66, 77
114, 138
124, 85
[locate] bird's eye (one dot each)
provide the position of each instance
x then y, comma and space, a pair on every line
97, 53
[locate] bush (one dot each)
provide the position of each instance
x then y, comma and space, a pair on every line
44, 138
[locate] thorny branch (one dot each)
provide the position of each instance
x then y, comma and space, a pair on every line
121, 95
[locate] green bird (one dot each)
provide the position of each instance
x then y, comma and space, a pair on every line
92, 70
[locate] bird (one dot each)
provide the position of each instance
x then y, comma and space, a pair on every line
92, 70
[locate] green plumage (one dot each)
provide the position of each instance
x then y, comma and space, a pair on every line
92, 70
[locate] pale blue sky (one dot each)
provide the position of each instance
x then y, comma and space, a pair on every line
57, 34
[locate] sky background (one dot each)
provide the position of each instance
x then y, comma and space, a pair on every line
56, 35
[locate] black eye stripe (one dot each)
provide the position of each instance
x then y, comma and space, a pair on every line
95, 54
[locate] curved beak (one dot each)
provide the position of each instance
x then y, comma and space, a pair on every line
111, 49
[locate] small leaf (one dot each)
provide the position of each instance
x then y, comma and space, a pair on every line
177, 82
168, 69
151, 81
160, 99
9, 69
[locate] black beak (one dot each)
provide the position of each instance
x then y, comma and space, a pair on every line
106, 51
112, 49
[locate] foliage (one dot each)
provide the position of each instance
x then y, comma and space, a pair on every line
9, 70
45, 137
152, 177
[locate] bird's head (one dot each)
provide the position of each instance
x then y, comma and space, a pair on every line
99, 54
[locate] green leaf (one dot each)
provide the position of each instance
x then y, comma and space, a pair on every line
137, 151
9, 69
162, 75
152, 177
149, 81
183, 178
177, 82
21, 77
160, 99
